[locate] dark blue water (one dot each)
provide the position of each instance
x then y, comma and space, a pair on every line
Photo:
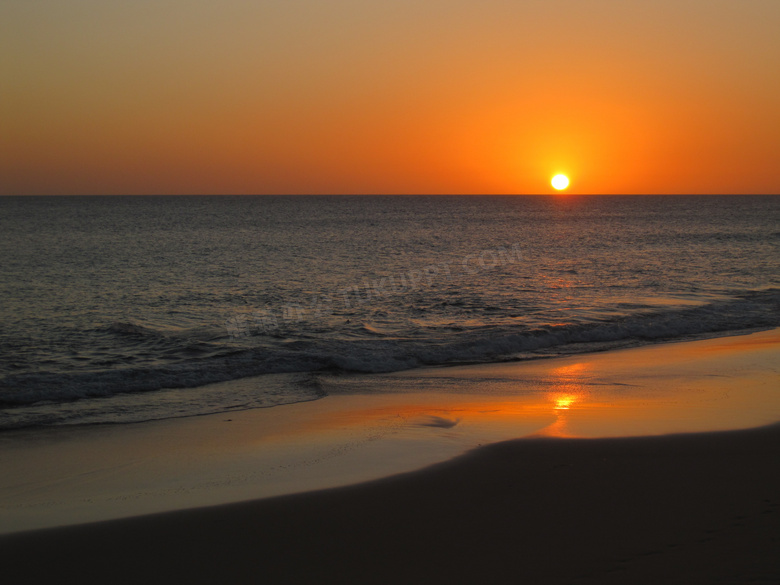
118, 309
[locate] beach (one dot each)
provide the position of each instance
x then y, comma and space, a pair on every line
545, 485
688, 509
390, 292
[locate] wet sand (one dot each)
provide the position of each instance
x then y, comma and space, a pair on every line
701, 508
557, 506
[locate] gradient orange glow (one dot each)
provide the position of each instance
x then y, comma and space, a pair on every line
348, 96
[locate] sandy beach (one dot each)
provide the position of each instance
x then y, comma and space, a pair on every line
679, 509
438, 494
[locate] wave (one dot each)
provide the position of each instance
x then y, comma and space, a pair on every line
376, 353
135, 332
275, 390
132, 329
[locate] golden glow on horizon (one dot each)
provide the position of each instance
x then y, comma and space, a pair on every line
560, 182
314, 97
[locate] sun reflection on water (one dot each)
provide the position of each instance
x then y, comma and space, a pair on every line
564, 401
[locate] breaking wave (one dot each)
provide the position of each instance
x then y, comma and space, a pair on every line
199, 362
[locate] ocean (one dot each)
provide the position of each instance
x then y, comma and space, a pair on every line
127, 309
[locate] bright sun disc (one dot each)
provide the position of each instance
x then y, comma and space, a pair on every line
560, 182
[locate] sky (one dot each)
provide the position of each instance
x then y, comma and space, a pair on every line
396, 96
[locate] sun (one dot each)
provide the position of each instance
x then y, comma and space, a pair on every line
560, 182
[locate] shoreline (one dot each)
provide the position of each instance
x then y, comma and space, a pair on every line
694, 508
375, 426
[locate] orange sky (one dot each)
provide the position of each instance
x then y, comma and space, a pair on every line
362, 96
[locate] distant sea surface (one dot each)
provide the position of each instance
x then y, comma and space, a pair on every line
123, 309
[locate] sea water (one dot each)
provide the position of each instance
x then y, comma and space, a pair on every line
124, 309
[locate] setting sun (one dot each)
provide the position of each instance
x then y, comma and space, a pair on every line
560, 182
